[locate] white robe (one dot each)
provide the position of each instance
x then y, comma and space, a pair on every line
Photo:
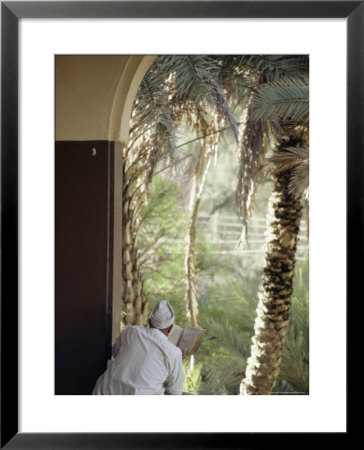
145, 363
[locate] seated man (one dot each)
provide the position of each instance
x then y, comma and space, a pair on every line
145, 361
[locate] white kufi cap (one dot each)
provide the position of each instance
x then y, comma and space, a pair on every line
162, 315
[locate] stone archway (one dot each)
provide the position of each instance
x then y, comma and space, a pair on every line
94, 97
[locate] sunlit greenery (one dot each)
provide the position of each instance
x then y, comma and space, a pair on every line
219, 145
228, 286
193, 377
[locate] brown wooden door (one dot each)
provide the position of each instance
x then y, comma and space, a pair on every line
83, 266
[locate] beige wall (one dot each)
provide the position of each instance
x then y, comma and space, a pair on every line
94, 95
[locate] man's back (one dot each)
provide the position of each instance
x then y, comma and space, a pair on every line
145, 363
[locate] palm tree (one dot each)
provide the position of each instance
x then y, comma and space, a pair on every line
272, 92
174, 88
228, 337
276, 286
277, 121
151, 138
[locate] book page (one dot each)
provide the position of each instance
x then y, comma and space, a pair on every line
198, 341
175, 334
191, 339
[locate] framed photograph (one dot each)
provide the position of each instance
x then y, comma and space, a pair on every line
107, 47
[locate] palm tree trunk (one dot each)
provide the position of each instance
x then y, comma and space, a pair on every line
275, 290
134, 304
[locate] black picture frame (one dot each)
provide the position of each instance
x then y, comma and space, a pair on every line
11, 12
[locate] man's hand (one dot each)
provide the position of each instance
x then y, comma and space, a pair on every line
184, 353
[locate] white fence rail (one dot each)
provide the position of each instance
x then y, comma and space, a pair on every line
224, 232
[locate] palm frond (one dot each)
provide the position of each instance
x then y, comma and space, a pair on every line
196, 79
294, 369
275, 67
222, 105
189, 73
163, 142
224, 373
295, 359
285, 99
252, 150
225, 335
296, 160
150, 97
265, 67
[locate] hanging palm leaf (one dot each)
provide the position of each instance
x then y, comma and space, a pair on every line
196, 80
175, 88
285, 99
296, 160
252, 149
274, 67
224, 374
208, 147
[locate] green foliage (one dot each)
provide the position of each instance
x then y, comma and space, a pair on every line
229, 318
219, 190
193, 73
286, 99
192, 372
227, 285
161, 246
197, 80
294, 370
227, 302
268, 67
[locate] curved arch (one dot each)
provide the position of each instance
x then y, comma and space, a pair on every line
125, 93
127, 87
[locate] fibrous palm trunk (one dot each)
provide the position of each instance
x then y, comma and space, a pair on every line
134, 304
275, 290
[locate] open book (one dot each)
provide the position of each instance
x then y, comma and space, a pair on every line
188, 338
